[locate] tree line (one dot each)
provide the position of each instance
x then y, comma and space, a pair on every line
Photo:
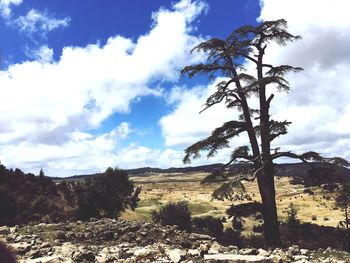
28, 198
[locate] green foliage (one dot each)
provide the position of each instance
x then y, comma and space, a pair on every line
244, 210
208, 225
173, 214
25, 197
106, 195
28, 198
343, 201
237, 223
292, 219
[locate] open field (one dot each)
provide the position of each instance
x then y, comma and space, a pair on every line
159, 189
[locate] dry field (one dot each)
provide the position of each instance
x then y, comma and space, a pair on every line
159, 189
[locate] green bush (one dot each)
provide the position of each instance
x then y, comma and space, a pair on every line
208, 225
173, 214
106, 195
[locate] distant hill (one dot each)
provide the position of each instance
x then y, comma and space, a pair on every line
296, 170
147, 170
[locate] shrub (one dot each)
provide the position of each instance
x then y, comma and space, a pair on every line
208, 225
173, 214
232, 237
106, 195
292, 219
258, 228
254, 240
314, 218
237, 223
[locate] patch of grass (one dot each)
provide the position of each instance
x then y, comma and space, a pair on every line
200, 208
153, 201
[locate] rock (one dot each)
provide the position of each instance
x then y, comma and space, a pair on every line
143, 252
263, 252
84, 256
4, 230
203, 248
294, 250
176, 255
238, 258
304, 252
195, 236
49, 259
14, 229
248, 251
276, 259
300, 257
193, 252
108, 235
21, 248
215, 248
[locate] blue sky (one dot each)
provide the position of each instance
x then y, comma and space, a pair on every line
91, 84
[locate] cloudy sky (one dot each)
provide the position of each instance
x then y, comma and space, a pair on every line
90, 84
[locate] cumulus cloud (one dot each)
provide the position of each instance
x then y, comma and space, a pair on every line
50, 105
39, 22
184, 125
318, 101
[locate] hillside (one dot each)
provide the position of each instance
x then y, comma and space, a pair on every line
297, 170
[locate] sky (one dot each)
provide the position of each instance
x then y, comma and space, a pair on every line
87, 85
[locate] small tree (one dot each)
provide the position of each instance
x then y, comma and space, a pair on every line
226, 58
107, 195
343, 201
292, 219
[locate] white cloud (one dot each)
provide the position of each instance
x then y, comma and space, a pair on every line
44, 54
48, 106
184, 125
318, 103
39, 22
5, 7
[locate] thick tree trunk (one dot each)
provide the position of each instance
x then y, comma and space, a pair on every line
266, 177
268, 197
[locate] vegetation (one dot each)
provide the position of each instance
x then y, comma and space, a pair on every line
106, 195
174, 214
28, 198
343, 201
226, 57
208, 225
292, 220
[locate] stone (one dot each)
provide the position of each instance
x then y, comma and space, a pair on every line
4, 230
21, 248
294, 250
300, 257
193, 252
215, 248
84, 256
176, 255
276, 259
143, 252
238, 258
248, 251
263, 252
304, 251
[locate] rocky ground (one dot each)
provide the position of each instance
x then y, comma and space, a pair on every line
122, 241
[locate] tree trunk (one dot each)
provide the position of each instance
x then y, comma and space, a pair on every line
268, 197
